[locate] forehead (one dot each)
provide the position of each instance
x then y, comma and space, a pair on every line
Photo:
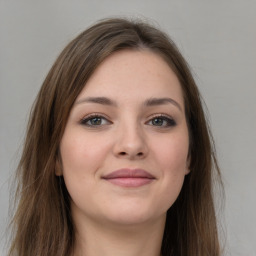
133, 74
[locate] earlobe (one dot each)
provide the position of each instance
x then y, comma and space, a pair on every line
58, 167
187, 170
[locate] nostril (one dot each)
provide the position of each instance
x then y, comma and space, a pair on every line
139, 154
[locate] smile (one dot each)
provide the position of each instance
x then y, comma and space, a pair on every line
129, 177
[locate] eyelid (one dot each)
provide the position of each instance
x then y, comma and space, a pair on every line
165, 117
169, 119
93, 115
160, 115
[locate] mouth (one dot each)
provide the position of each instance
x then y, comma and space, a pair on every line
129, 177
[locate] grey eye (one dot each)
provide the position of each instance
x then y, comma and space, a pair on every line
94, 121
158, 121
162, 121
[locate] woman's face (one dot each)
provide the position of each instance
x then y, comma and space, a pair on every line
125, 147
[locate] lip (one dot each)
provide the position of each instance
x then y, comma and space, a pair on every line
129, 177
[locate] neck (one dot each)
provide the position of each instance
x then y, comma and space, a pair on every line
97, 239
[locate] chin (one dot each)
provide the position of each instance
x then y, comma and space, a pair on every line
134, 216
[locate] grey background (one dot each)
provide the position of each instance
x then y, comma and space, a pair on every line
218, 39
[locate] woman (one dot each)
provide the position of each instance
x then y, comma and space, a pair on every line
118, 158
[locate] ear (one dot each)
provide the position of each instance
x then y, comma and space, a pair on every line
187, 170
58, 167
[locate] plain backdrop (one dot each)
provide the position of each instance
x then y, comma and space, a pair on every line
218, 39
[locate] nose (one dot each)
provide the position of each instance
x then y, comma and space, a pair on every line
130, 142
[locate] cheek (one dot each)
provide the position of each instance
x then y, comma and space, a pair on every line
172, 159
81, 154
172, 153
81, 158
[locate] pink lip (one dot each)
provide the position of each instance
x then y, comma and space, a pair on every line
129, 177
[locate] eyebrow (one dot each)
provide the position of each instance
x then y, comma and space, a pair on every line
98, 100
162, 101
148, 103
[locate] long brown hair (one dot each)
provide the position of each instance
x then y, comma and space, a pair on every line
42, 224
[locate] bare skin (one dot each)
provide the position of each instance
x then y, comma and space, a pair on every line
130, 116
143, 240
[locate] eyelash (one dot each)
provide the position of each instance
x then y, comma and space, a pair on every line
86, 119
169, 122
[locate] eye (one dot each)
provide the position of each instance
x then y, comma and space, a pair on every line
162, 121
94, 120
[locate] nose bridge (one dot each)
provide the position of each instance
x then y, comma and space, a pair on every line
130, 139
